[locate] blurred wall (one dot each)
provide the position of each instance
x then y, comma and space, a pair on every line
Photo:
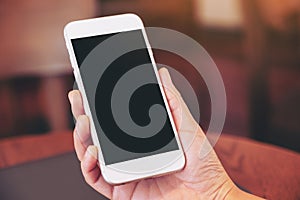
32, 33
34, 65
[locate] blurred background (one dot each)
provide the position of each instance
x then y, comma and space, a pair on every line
255, 44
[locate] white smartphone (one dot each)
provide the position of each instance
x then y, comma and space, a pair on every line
130, 120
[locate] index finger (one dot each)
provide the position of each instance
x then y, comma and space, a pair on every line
76, 103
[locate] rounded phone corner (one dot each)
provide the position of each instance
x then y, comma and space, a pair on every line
109, 179
67, 28
182, 162
135, 17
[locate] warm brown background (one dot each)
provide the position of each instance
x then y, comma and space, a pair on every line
255, 44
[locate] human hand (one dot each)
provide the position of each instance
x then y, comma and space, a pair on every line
203, 177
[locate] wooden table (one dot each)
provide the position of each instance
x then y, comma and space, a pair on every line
265, 170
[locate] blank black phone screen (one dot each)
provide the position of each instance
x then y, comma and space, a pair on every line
124, 97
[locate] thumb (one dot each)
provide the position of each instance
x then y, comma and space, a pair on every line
181, 114
186, 126
172, 95
167, 81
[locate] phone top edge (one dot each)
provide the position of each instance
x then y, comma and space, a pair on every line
99, 26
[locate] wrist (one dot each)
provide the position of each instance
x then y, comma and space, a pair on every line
227, 190
236, 193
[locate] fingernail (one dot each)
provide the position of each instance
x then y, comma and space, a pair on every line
93, 151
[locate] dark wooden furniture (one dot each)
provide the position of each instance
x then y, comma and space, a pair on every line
262, 169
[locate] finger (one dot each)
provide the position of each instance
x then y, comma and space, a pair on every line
76, 103
82, 136
172, 96
175, 107
92, 172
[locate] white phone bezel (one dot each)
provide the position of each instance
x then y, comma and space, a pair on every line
165, 162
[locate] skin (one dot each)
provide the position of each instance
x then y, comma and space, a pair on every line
203, 177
